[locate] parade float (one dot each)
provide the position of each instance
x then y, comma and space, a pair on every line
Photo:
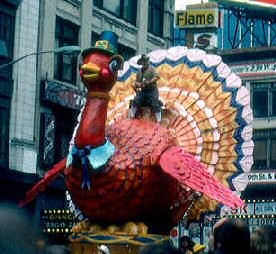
130, 181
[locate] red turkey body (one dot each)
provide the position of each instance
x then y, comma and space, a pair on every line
132, 186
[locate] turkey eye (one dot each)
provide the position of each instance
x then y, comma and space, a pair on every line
114, 65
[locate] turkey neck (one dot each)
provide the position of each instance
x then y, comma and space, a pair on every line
91, 130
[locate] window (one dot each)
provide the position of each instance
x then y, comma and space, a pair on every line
263, 99
125, 9
94, 38
63, 134
7, 32
4, 135
7, 21
126, 52
155, 17
56, 133
66, 65
265, 149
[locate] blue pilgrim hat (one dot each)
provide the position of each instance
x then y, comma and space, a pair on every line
107, 43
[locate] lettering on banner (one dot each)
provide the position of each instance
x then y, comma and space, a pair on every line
262, 177
249, 69
58, 221
265, 208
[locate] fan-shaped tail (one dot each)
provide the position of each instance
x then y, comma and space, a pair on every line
207, 111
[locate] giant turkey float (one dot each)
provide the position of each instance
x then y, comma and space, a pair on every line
131, 180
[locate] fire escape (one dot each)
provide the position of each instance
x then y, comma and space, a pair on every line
242, 22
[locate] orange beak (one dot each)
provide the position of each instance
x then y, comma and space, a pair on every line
90, 72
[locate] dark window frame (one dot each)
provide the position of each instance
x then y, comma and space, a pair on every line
121, 14
56, 132
156, 6
63, 39
269, 137
270, 89
4, 136
7, 28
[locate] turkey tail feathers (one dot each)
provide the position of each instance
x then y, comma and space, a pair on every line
207, 110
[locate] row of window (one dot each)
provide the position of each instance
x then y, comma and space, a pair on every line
7, 21
65, 35
65, 65
127, 10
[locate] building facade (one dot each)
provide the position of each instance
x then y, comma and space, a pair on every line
41, 95
245, 37
246, 40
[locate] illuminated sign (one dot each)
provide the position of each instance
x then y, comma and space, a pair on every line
196, 18
265, 208
254, 69
255, 209
57, 221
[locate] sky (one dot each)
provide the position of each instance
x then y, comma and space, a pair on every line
181, 4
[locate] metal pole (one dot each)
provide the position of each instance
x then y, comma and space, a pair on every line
22, 57
61, 50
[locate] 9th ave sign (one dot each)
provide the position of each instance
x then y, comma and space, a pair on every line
262, 177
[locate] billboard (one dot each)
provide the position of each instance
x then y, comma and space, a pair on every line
196, 18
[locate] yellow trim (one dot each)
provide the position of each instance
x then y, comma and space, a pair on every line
99, 95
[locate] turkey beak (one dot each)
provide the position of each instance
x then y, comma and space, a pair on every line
90, 72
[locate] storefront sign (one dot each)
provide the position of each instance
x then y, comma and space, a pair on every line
262, 177
205, 40
63, 95
265, 208
247, 209
254, 69
255, 208
197, 18
255, 222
